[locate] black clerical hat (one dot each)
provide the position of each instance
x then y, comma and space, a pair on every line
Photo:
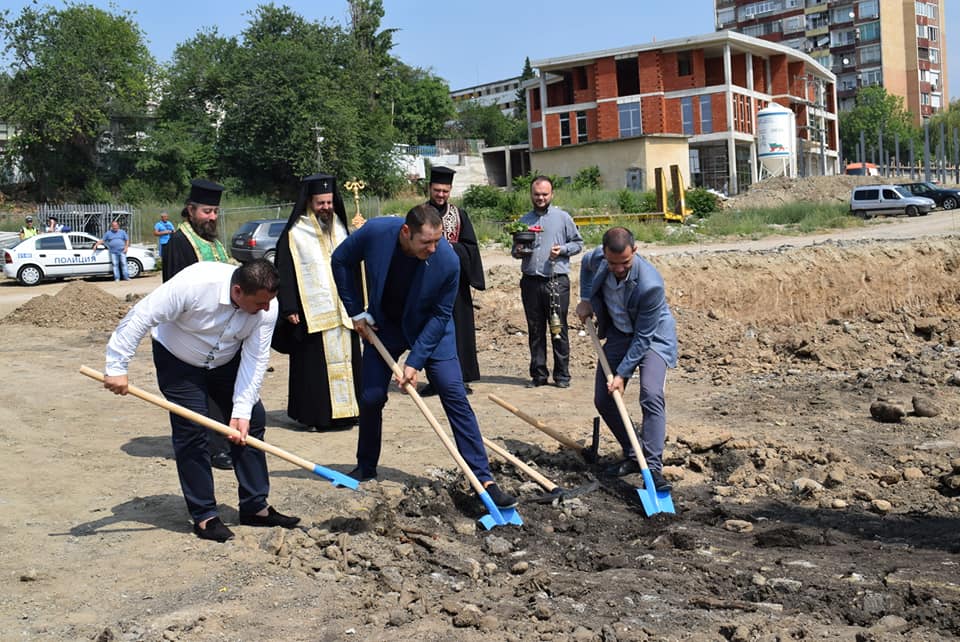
441, 175
319, 184
205, 192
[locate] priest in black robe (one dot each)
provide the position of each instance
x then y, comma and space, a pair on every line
458, 230
312, 325
196, 240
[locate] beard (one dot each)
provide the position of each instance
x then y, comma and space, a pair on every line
206, 229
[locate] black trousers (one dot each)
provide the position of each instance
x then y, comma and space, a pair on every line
191, 387
535, 292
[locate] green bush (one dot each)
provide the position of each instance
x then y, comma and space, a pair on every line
588, 178
95, 192
628, 201
482, 196
701, 201
135, 191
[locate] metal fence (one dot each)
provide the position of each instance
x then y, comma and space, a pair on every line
92, 218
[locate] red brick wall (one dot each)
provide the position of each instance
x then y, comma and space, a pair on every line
555, 94
653, 111
535, 112
536, 138
795, 76
779, 75
738, 69
552, 123
713, 74
718, 108
672, 116
759, 74
651, 71
672, 81
585, 95
605, 78
608, 122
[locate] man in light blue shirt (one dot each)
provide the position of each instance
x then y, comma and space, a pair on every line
627, 295
162, 229
116, 241
545, 284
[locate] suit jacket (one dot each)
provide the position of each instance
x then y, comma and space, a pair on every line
427, 323
653, 325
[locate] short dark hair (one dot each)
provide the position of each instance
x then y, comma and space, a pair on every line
422, 215
259, 274
617, 239
541, 179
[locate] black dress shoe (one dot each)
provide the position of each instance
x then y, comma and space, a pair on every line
622, 468
659, 481
272, 518
427, 391
467, 387
500, 498
562, 384
221, 460
536, 383
362, 474
215, 530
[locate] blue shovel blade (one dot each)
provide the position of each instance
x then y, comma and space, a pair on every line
654, 501
498, 516
338, 479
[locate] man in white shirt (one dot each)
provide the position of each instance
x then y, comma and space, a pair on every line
211, 326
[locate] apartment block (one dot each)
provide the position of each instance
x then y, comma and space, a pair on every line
692, 102
502, 93
897, 44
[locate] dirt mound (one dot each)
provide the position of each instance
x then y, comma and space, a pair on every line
78, 305
829, 281
774, 192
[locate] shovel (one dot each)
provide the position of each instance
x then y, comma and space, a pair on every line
654, 501
589, 454
553, 491
338, 479
497, 516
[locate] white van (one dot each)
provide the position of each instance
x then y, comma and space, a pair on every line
868, 200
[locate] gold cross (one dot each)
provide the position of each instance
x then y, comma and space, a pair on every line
355, 186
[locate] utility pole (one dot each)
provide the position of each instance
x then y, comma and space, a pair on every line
316, 131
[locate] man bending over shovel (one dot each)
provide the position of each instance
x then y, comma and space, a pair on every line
628, 297
211, 327
412, 276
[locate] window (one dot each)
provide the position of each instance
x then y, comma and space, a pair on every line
869, 31
628, 77
706, 115
927, 10
725, 17
564, 129
80, 242
935, 101
924, 98
868, 9
841, 15
869, 54
871, 77
684, 67
934, 55
51, 243
841, 38
580, 78
630, 120
581, 126
793, 23
686, 112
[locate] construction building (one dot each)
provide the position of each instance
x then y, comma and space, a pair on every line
502, 93
897, 44
692, 102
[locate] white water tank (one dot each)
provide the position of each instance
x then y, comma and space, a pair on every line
776, 141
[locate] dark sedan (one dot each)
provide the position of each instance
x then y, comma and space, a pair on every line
948, 199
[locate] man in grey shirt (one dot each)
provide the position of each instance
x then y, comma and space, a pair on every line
545, 284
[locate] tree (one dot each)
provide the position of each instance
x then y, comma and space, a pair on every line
521, 109
422, 107
876, 111
79, 84
488, 123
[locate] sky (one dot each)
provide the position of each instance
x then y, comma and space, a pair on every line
467, 42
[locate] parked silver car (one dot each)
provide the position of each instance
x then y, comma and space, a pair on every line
868, 200
257, 240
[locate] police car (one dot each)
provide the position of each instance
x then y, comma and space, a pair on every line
55, 256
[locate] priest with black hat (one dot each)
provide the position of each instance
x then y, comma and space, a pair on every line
458, 230
196, 238
313, 327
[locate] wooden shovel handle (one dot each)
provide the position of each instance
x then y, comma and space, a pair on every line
536, 423
617, 397
548, 485
374, 340
206, 422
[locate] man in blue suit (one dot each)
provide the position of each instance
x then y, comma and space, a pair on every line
412, 278
628, 296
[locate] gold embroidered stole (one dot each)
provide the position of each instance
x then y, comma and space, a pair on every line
310, 249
